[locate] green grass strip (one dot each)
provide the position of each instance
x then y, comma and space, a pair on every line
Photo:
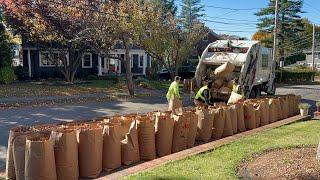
221, 163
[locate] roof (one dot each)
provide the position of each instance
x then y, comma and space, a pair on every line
214, 34
317, 50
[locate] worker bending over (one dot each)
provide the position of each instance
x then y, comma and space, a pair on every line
173, 97
203, 96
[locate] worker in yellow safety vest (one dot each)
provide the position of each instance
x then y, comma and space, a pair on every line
173, 96
236, 87
203, 96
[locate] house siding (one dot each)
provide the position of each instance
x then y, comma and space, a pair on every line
316, 60
25, 58
42, 72
84, 72
135, 68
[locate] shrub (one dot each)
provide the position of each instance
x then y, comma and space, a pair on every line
92, 77
22, 73
141, 80
7, 75
304, 106
301, 75
144, 85
5, 47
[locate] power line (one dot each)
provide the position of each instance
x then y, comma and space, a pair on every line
221, 22
297, 40
234, 9
291, 54
304, 41
302, 38
227, 8
221, 30
317, 10
299, 43
239, 20
297, 46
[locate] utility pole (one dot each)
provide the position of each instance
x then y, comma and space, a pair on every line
275, 31
313, 45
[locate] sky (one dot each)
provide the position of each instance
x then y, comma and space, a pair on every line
222, 18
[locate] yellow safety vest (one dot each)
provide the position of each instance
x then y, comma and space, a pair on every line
235, 89
199, 94
173, 90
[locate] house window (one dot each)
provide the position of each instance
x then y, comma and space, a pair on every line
141, 61
16, 53
318, 66
49, 59
264, 61
87, 60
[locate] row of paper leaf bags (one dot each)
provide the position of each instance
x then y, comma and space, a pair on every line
84, 149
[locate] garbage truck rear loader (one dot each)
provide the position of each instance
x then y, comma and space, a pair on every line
253, 68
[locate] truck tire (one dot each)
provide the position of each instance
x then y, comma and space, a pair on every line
258, 92
273, 92
253, 93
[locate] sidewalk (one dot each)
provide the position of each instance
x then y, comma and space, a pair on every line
38, 101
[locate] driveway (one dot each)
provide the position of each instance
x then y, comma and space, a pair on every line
309, 93
40, 115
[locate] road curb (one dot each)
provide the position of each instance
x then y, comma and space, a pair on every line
197, 149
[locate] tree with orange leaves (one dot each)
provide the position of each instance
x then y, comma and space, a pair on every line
57, 25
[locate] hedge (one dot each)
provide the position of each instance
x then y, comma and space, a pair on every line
7, 75
294, 75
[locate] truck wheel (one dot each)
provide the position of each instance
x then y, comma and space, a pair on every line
253, 93
258, 92
273, 91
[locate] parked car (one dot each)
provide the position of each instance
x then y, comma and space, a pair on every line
185, 72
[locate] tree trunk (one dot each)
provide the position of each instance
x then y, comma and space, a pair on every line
73, 67
172, 74
176, 67
128, 70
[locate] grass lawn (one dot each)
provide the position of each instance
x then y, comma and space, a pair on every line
60, 88
221, 163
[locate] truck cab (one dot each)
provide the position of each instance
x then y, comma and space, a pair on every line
254, 68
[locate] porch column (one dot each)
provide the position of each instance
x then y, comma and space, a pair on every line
119, 63
99, 66
144, 63
29, 63
108, 64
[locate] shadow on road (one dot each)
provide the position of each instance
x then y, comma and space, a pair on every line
301, 88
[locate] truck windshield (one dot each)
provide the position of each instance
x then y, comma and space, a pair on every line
229, 49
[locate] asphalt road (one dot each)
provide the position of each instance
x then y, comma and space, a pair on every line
41, 115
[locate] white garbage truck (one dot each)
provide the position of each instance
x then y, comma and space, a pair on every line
253, 66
